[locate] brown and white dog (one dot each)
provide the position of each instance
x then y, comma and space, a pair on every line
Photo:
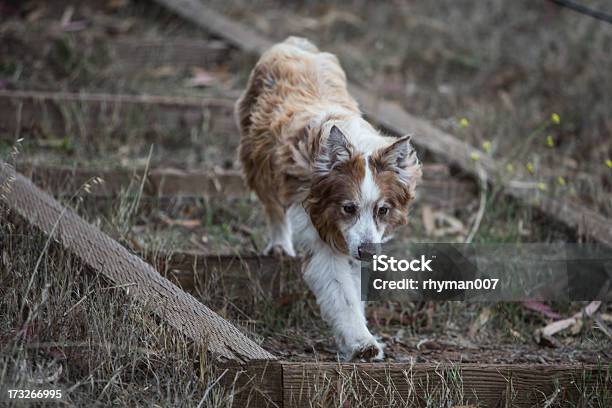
325, 177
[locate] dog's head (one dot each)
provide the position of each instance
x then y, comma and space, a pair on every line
358, 199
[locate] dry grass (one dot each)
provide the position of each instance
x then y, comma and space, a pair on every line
64, 327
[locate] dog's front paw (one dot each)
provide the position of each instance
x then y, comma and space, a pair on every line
279, 250
367, 350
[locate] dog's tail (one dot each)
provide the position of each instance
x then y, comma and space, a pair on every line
301, 43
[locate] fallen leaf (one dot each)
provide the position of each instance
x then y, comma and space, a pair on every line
575, 322
67, 15
592, 307
541, 308
545, 340
606, 317
599, 324
448, 225
201, 77
506, 100
383, 316
483, 318
429, 344
577, 327
517, 334
199, 242
189, 223
559, 325
428, 219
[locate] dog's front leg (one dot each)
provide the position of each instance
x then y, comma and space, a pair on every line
332, 280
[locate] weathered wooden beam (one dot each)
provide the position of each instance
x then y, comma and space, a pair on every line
122, 55
438, 189
107, 257
393, 117
248, 277
386, 384
164, 182
132, 55
295, 384
61, 113
255, 385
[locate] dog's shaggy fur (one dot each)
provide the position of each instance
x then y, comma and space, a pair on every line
325, 177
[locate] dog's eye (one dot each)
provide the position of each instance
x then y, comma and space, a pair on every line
382, 211
349, 209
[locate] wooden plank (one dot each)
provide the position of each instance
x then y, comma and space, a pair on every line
133, 55
61, 113
248, 277
393, 117
122, 55
165, 182
438, 189
388, 384
255, 385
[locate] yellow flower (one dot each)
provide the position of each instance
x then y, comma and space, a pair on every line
463, 123
555, 118
561, 180
609, 163
475, 156
549, 141
509, 168
530, 167
542, 186
486, 146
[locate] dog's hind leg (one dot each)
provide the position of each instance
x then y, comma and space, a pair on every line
261, 177
257, 154
279, 226
280, 242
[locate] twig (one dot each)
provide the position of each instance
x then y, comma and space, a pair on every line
78, 303
482, 176
602, 326
201, 404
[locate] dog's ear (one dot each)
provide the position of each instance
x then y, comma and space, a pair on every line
335, 150
399, 157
